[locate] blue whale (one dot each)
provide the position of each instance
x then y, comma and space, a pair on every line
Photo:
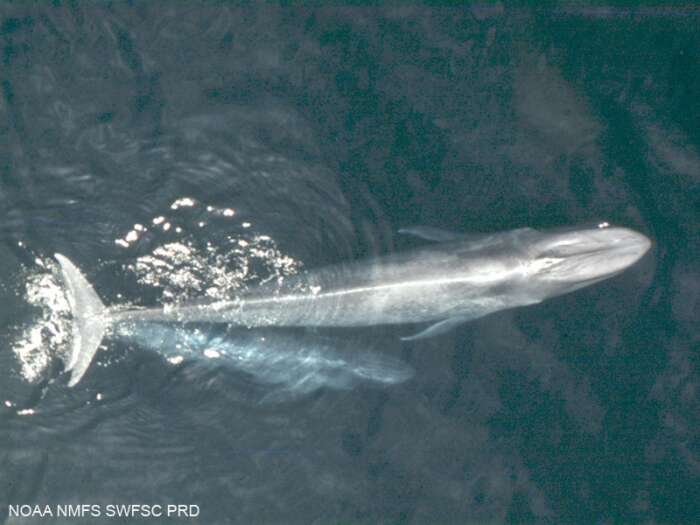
454, 279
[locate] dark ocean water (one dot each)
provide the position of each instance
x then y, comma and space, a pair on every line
176, 150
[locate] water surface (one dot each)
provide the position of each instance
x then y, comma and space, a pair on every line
176, 152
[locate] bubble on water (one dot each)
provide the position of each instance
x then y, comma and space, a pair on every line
187, 265
184, 271
184, 202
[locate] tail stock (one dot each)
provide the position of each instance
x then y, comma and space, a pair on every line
90, 319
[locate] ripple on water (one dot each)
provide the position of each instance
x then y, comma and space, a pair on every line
207, 209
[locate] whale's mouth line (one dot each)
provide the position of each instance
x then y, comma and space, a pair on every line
581, 283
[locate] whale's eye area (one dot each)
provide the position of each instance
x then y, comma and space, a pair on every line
548, 261
543, 266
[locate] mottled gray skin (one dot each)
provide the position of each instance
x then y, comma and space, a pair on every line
462, 279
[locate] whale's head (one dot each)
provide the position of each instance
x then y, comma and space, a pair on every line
562, 261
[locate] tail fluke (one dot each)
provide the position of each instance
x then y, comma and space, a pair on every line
90, 319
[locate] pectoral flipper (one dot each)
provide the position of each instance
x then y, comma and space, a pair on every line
439, 328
